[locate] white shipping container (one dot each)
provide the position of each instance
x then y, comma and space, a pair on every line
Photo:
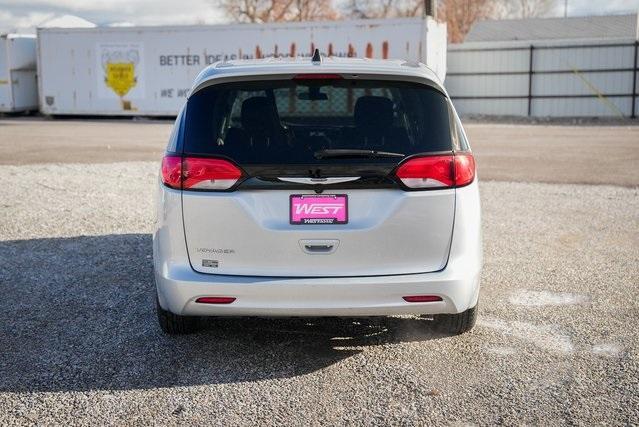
149, 70
18, 87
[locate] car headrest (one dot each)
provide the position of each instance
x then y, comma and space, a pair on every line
259, 116
373, 113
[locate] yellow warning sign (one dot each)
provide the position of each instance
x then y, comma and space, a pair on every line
120, 76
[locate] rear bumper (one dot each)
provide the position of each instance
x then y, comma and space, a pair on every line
178, 285
335, 296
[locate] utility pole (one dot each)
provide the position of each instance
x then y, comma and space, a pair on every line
565, 8
430, 8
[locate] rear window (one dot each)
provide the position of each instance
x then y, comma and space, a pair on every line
290, 121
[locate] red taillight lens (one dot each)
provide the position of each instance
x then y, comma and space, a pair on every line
427, 172
209, 174
199, 174
172, 171
464, 169
422, 298
215, 300
437, 171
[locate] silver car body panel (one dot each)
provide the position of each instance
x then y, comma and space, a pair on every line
278, 68
389, 231
178, 285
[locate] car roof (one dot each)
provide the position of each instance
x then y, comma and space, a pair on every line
400, 69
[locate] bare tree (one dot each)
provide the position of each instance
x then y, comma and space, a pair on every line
277, 10
383, 8
522, 9
460, 15
312, 10
247, 10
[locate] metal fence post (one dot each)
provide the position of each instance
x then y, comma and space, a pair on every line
534, 70
530, 80
634, 83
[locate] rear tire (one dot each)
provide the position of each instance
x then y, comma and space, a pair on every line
456, 324
175, 324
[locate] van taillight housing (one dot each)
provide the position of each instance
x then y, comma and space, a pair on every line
194, 173
442, 171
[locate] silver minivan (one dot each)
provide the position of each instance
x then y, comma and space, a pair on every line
324, 187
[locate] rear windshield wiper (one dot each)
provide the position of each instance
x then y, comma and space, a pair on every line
348, 152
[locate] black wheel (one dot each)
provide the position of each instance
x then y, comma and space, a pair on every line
175, 324
456, 324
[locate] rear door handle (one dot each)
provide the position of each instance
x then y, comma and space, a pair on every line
319, 247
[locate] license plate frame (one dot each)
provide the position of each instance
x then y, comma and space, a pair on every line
321, 209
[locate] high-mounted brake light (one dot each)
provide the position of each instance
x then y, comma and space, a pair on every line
194, 173
317, 76
451, 170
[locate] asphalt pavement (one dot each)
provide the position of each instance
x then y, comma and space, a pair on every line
505, 152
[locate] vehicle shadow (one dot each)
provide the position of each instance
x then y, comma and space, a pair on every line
78, 314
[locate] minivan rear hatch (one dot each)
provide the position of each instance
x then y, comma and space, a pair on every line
298, 177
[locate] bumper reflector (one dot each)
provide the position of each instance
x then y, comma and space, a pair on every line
422, 298
215, 300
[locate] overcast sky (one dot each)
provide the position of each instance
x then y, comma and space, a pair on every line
29, 13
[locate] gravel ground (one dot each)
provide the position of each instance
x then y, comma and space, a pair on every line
555, 341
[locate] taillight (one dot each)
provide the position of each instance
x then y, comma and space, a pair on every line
193, 173
172, 171
451, 170
464, 169
209, 174
427, 172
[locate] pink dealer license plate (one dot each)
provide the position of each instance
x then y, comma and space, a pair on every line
319, 209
